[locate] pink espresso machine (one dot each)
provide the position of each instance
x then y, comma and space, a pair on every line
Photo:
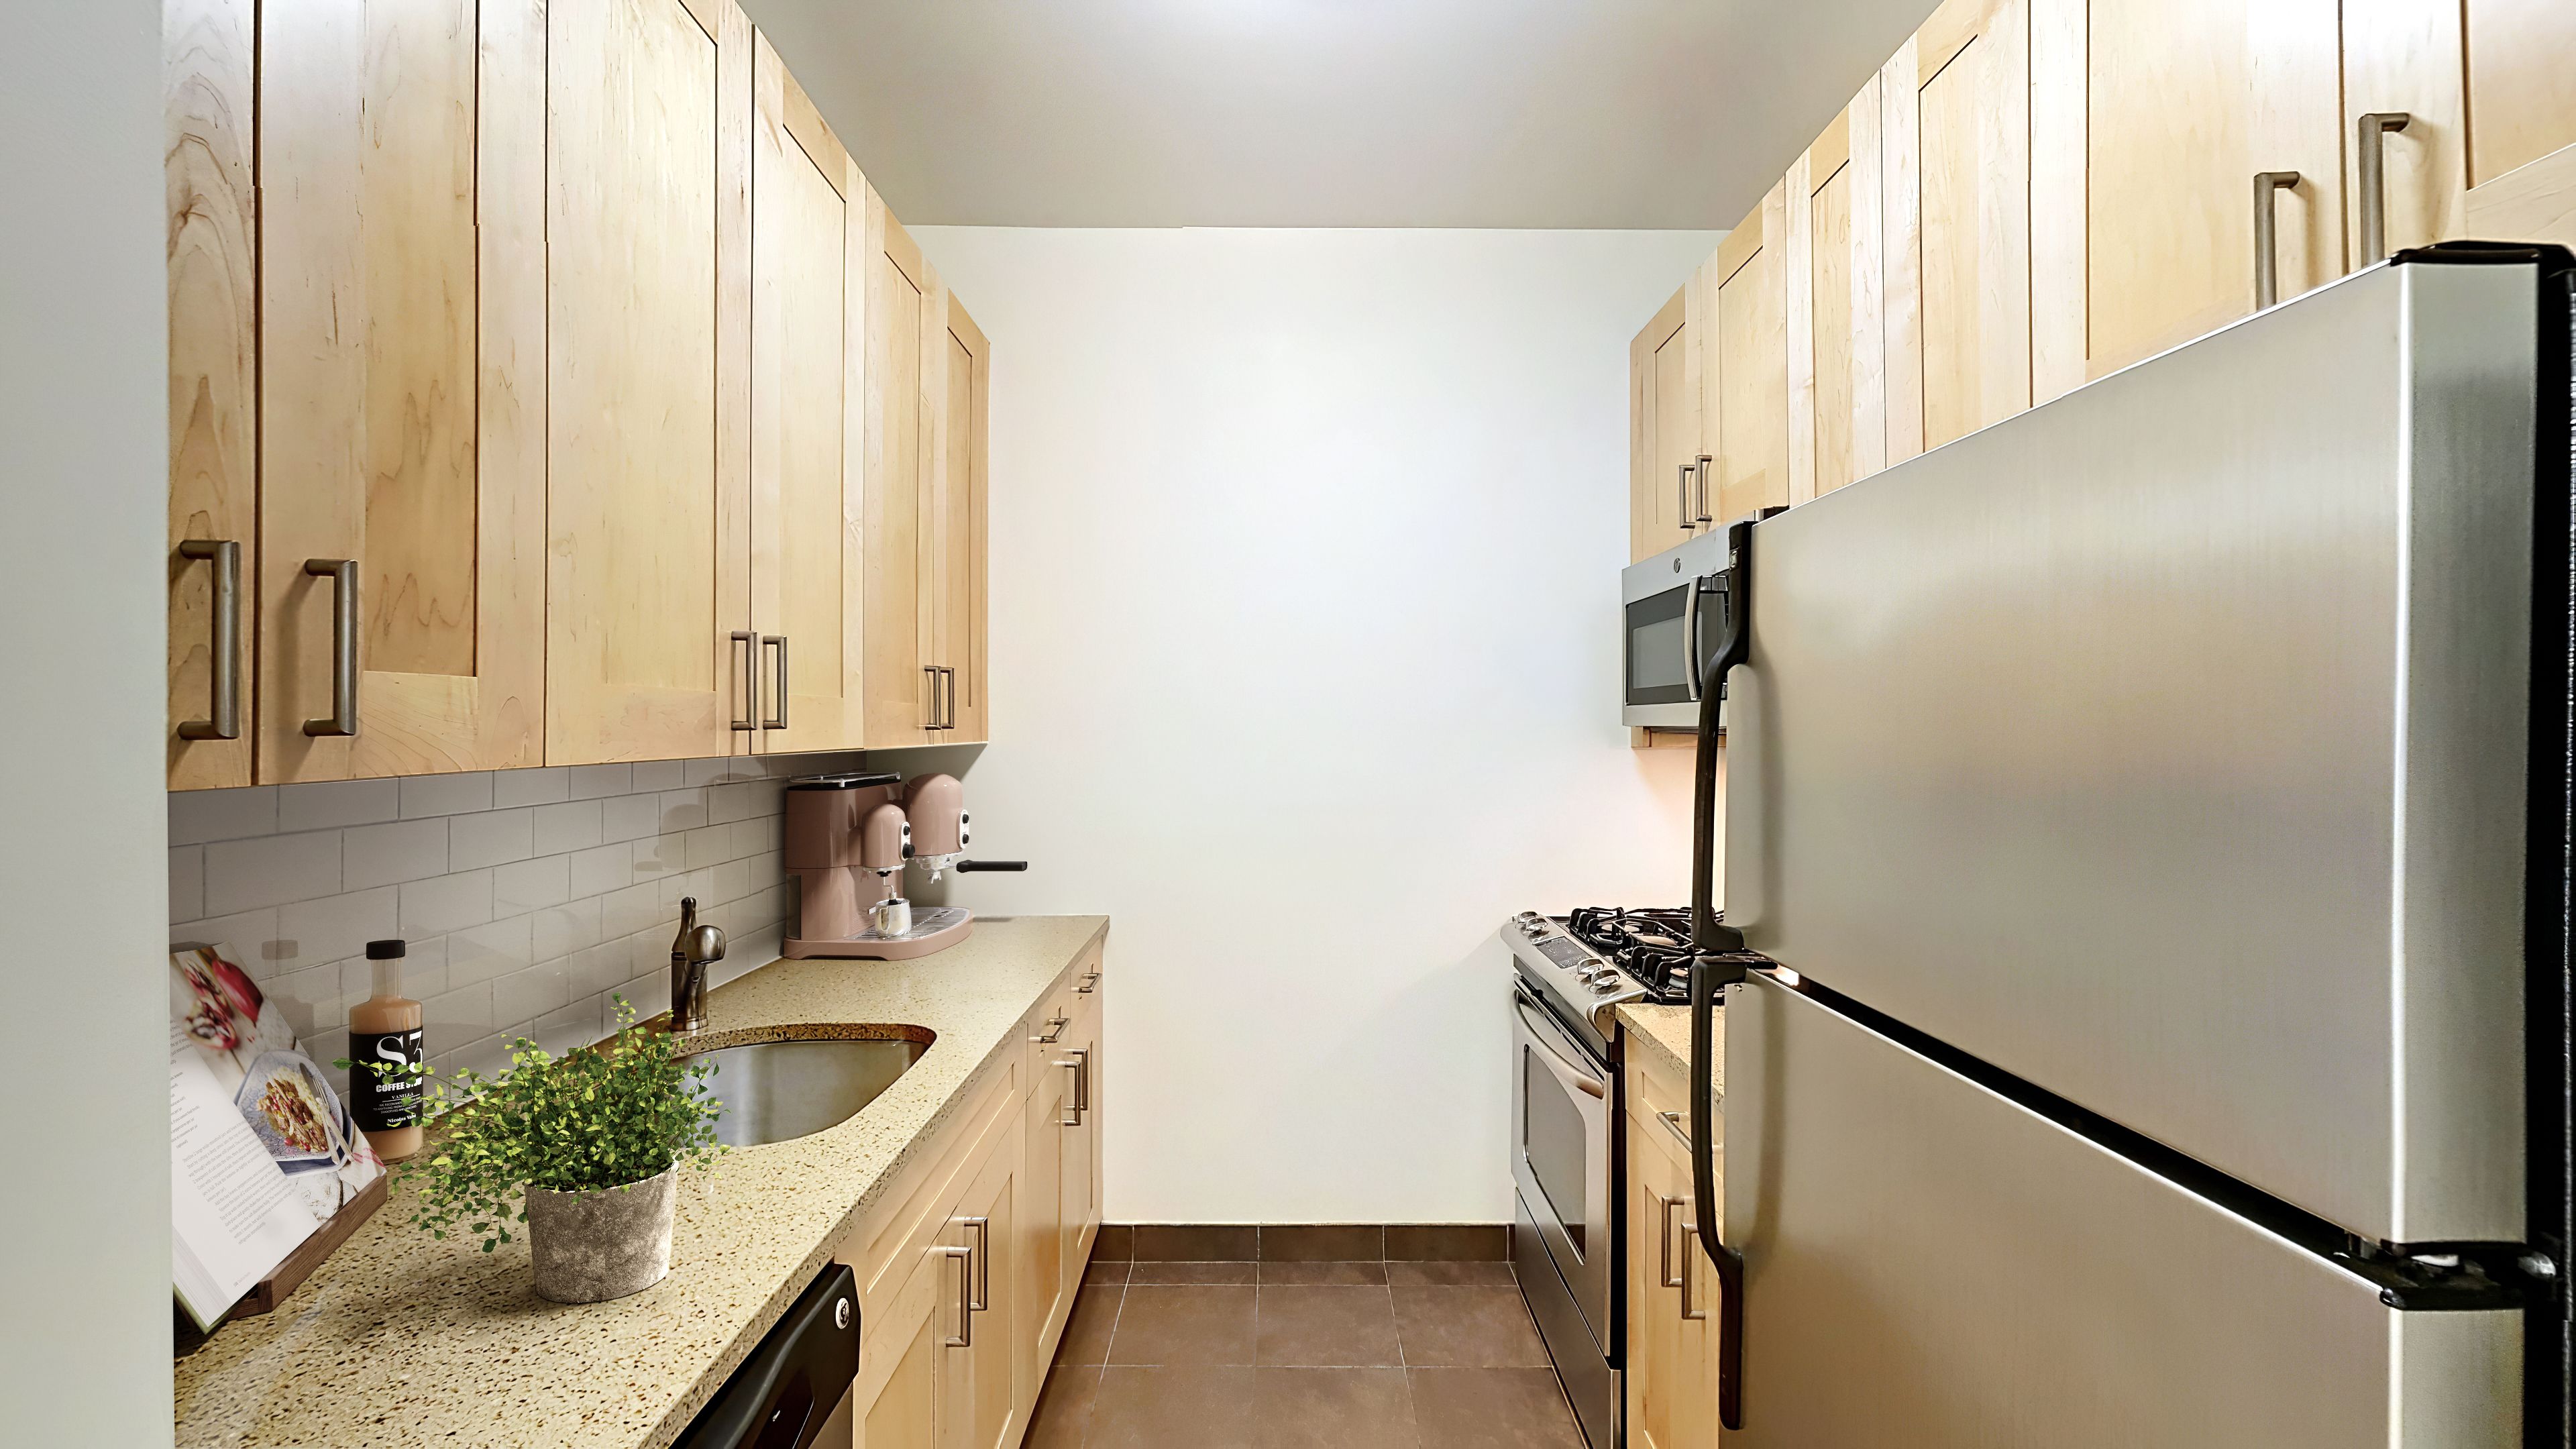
849, 838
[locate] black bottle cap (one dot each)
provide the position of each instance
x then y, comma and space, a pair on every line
387, 950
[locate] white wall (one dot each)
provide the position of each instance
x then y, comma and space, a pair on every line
85, 1279
1305, 633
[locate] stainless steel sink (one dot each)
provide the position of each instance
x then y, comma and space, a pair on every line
776, 1090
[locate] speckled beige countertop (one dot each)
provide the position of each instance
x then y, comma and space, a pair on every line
400, 1340
1665, 1031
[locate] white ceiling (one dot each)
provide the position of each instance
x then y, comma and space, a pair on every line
1444, 113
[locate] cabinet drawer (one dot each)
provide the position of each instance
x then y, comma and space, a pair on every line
1653, 1090
889, 1241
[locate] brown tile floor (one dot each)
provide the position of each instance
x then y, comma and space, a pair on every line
1301, 1356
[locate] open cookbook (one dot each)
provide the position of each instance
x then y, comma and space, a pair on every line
262, 1152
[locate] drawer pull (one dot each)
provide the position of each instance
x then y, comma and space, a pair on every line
1055, 1028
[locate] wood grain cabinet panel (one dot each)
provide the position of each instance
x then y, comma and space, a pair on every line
958, 510
1664, 428
2488, 148
648, 250
2151, 120
1955, 107
1836, 332
808, 230
402, 390
1671, 1383
211, 169
2521, 64
899, 320
1746, 362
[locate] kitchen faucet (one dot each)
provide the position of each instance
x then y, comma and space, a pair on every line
691, 950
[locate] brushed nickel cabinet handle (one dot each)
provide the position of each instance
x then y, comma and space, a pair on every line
1680, 1129
1074, 1106
1090, 983
1682, 483
948, 721
343, 574
1055, 1026
981, 1257
1690, 1235
2268, 186
930, 711
224, 707
749, 690
2372, 151
965, 1335
1664, 1238
1702, 471
777, 721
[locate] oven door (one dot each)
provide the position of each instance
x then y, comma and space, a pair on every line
1561, 1136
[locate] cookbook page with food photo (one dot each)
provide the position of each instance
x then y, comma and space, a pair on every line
262, 1150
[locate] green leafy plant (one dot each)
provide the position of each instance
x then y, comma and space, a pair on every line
621, 1112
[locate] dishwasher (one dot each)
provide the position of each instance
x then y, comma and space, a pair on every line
797, 1382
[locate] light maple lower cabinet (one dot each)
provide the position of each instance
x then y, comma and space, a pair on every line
1671, 1379
968, 1270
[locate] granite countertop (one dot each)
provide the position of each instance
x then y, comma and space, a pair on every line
403, 1340
1665, 1031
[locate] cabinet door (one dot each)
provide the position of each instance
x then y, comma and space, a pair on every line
979, 1406
954, 538
402, 385
1750, 362
902, 1411
1663, 431
898, 692
1672, 1360
648, 604
2150, 121
1956, 106
2522, 84
1837, 338
807, 566
212, 224
1046, 1288
1081, 1194
2402, 57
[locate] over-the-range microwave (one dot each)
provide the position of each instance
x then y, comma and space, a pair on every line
1675, 605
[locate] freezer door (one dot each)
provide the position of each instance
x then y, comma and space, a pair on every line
1929, 1265
2164, 746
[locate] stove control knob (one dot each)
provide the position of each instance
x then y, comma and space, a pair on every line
1606, 986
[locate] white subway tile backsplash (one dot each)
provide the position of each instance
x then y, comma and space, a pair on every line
530, 898
589, 782
425, 795
271, 870
627, 817
528, 885
447, 903
391, 854
495, 837
601, 869
336, 927
523, 996
187, 882
197, 816
562, 930
326, 1047
329, 804
479, 953
529, 787
573, 825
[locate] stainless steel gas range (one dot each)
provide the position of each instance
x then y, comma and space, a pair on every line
1570, 973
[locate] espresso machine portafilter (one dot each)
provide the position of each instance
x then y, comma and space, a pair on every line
848, 838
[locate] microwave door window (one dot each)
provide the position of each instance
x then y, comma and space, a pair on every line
1659, 663
1555, 1141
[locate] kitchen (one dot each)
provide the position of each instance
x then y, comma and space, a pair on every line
945, 495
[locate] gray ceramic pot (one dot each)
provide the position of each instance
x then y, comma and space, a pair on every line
590, 1247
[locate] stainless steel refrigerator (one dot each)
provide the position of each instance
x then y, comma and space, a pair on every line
2156, 808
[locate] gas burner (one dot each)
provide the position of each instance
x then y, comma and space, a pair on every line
1654, 946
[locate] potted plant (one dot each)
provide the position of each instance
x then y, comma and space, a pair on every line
585, 1149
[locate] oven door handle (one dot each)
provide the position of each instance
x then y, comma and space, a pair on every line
1566, 1070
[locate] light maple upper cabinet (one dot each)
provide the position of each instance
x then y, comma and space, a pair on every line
1745, 362
1956, 113
1666, 482
649, 647
395, 589
953, 543
2467, 112
809, 255
1836, 331
2165, 138
901, 699
211, 70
